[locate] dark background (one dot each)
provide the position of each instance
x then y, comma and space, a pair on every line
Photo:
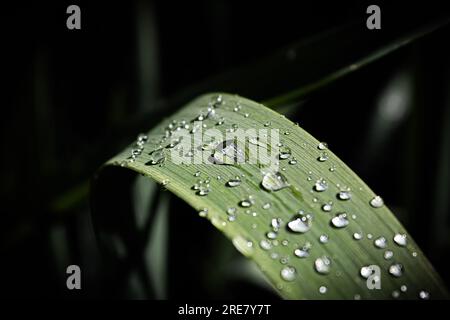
74, 98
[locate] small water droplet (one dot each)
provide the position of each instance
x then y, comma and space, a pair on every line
267, 124
156, 157
288, 273
388, 254
234, 182
380, 242
266, 206
403, 288
323, 289
424, 295
327, 207
321, 185
203, 213
276, 224
377, 202
197, 174
246, 203
274, 181
323, 157
203, 191
271, 235
400, 239
344, 195
369, 236
332, 168
323, 238
357, 297
302, 252
322, 146
366, 271
322, 265
293, 161
243, 245
231, 211
340, 221
357, 236
265, 244
285, 152
395, 294
300, 225
396, 270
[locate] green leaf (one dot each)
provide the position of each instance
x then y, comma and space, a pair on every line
113, 211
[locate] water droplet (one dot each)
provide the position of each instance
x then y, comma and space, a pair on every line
267, 124
265, 244
322, 146
395, 294
266, 206
332, 168
357, 236
380, 242
203, 191
424, 295
323, 157
323, 238
231, 211
156, 157
197, 174
245, 203
369, 236
234, 182
271, 235
285, 152
321, 185
323, 289
414, 254
357, 297
344, 195
288, 273
274, 181
388, 254
322, 265
276, 223
396, 270
377, 202
218, 223
203, 213
300, 225
303, 252
366, 271
340, 221
243, 245
400, 239
293, 161
403, 288
327, 207
227, 152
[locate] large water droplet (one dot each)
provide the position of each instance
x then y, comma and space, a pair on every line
396, 270
340, 221
377, 202
288, 273
246, 203
322, 265
323, 289
243, 245
380, 242
321, 185
300, 225
400, 239
274, 181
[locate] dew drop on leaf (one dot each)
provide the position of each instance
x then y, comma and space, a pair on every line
288, 273
377, 202
322, 265
340, 221
396, 270
300, 225
321, 185
274, 181
380, 242
344, 195
400, 239
243, 245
